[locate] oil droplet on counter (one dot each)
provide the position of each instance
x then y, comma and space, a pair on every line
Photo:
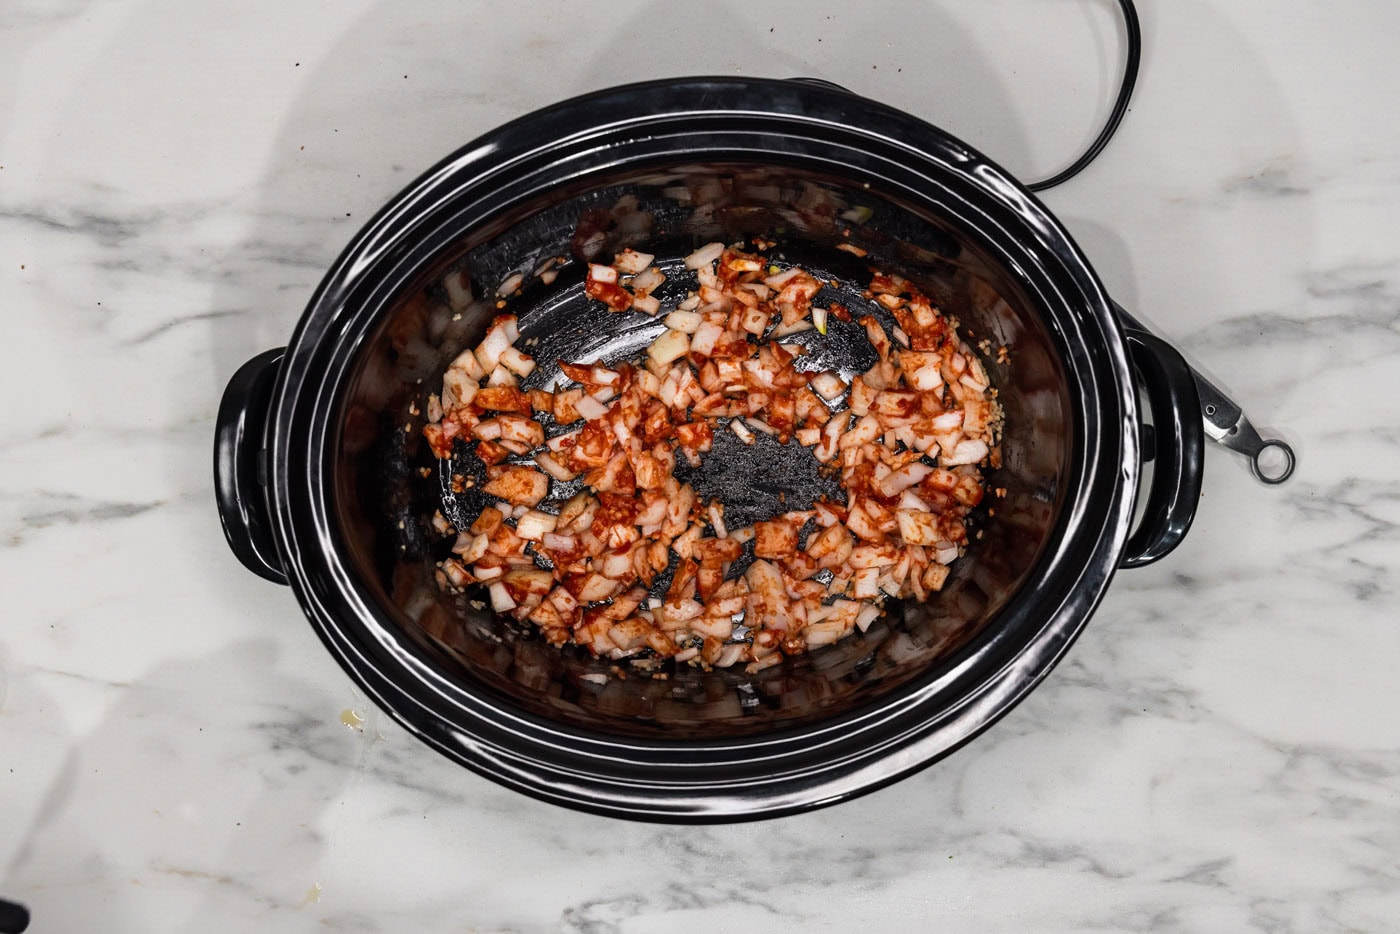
351, 718
313, 894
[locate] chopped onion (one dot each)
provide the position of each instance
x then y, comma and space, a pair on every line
671, 345
778, 280
910, 500
687, 322
865, 430
551, 466
937, 574
970, 451
590, 408
471, 550
758, 424
974, 384
704, 256
501, 600
631, 262
925, 378
616, 565
828, 385
517, 362
488, 430
917, 527
534, 524
466, 362
560, 442
754, 321
719, 357
866, 616
647, 281
459, 293
902, 479
488, 353
458, 388
717, 520
786, 330
948, 420
866, 583
706, 336
597, 587
557, 543
742, 536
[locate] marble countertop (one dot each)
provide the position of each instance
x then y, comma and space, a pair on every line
1220, 751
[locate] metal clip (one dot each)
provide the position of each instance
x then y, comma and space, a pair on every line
1226, 425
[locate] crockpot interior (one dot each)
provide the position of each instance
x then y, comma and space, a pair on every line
387, 486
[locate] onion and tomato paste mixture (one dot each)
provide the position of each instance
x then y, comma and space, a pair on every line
907, 438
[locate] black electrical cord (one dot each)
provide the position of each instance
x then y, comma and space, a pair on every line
14, 919
1120, 106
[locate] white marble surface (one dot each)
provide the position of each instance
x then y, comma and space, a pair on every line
1218, 753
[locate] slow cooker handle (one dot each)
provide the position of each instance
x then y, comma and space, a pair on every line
1180, 449
240, 465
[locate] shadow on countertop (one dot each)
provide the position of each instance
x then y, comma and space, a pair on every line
392, 98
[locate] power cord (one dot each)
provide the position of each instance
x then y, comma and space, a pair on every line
14, 919
1120, 106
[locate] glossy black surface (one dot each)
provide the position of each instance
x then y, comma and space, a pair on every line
1180, 449
14, 918
351, 507
240, 451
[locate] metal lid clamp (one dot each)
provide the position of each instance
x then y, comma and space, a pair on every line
1270, 459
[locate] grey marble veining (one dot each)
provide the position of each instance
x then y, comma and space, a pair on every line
1220, 751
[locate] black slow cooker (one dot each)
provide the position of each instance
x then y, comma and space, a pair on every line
324, 481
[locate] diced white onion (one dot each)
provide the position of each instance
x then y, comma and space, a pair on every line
704, 256
647, 281
501, 600
890, 538
559, 543
687, 322
671, 345
517, 362
534, 524
511, 284
590, 408
786, 330
631, 262
551, 466
717, 521
828, 385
